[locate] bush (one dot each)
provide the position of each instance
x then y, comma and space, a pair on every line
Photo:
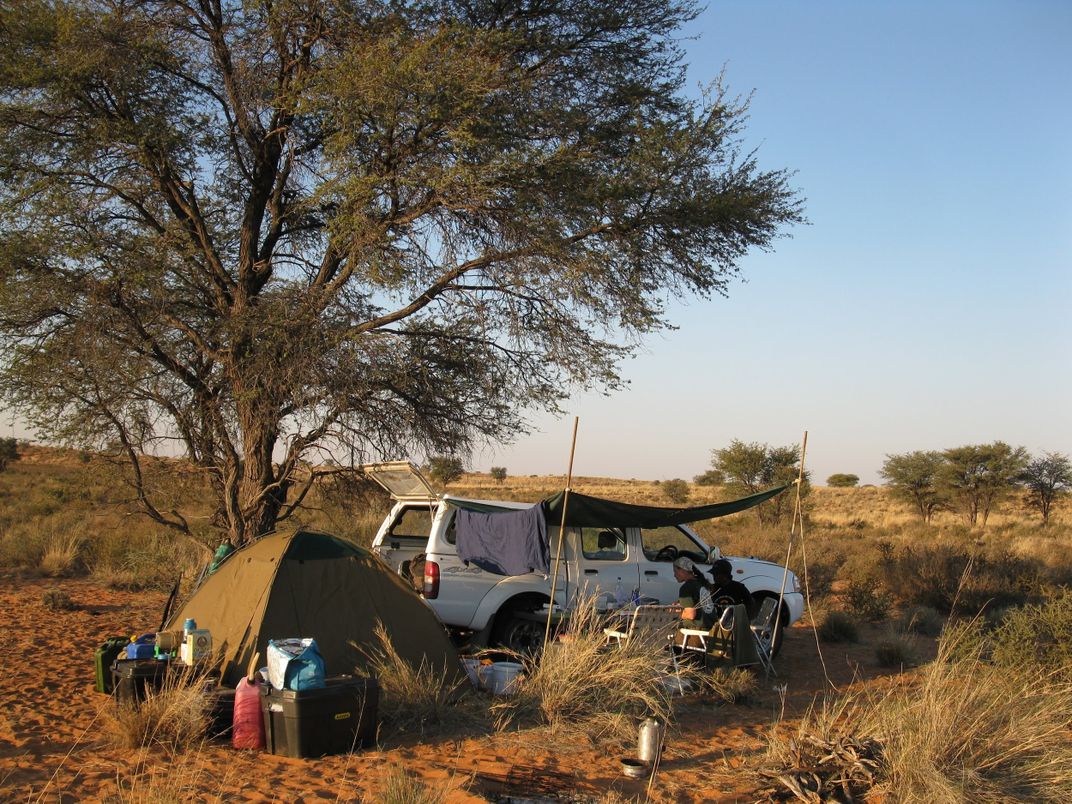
839, 626
896, 650
865, 598
498, 474
444, 469
1036, 636
676, 490
922, 620
55, 599
842, 481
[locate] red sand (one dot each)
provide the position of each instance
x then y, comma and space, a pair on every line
50, 749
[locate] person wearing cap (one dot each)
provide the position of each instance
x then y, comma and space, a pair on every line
728, 592
694, 596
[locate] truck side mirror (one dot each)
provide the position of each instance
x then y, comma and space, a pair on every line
713, 555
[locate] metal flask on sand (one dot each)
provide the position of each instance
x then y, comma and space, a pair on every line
650, 743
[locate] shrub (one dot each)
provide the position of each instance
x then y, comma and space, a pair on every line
842, 481
865, 598
676, 490
1038, 636
839, 626
9, 451
444, 469
896, 650
498, 474
55, 599
922, 620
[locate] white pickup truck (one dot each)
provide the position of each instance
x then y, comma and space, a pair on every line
496, 609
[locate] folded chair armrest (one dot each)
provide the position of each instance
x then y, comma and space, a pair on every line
693, 632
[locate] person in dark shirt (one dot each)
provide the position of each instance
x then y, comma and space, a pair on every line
728, 592
697, 604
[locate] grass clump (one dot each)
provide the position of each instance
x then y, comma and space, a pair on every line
839, 626
416, 699
729, 685
404, 788
921, 620
174, 718
964, 728
56, 599
896, 650
584, 685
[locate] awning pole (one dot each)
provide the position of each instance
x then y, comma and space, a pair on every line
792, 532
561, 534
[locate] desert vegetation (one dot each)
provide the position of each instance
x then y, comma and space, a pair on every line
883, 584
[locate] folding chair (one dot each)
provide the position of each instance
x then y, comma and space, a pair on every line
728, 640
763, 633
654, 625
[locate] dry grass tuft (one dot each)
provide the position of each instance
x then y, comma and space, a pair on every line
174, 718
56, 599
403, 788
418, 699
63, 556
730, 686
581, 685
963, 729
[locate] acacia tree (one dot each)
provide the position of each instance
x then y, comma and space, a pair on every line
1046, 479
912, 477
750, 468
975, 477
255, 229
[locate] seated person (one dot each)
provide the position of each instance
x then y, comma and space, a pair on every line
728, 592
694, 596
608, 547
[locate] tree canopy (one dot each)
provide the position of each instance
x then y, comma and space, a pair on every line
252, 230
748, 468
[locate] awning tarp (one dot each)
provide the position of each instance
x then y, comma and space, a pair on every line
595, 512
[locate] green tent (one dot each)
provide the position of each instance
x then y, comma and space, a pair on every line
309, 584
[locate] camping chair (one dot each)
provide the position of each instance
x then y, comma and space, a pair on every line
654, 625
728, 641
763, 633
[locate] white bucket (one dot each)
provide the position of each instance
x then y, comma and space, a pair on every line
504, 678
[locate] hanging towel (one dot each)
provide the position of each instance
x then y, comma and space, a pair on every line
508, 543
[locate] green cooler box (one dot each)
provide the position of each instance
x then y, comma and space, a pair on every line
338, 718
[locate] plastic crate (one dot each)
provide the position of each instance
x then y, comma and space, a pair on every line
336, 719
133, 677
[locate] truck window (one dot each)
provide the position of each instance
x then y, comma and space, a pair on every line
413, 523
659, 541
603, 544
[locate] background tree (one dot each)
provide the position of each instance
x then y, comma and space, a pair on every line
444, 469
254, 231
498, 473
1046, 479
912, 476
676, 490
751, 468
9, 451
976, 477
842, 480
709, 478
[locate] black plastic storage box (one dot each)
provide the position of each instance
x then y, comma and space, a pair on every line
338, 718
132, 677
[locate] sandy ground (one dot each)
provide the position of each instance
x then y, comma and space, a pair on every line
51, 748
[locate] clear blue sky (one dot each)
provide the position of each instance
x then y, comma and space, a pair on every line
929, 302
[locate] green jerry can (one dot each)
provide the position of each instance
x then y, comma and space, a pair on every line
103, 658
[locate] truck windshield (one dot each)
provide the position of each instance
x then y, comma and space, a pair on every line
668, 542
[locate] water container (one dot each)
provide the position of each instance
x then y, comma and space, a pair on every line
650, 743
188, 626
248, 728
504, 678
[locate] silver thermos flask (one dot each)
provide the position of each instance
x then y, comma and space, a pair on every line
651, 740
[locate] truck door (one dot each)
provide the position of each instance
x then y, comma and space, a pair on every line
605, 562
659, 547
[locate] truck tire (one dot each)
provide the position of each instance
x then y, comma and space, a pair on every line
521, 635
